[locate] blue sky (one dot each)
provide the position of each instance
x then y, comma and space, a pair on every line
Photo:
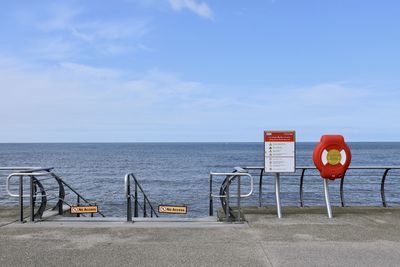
195, 70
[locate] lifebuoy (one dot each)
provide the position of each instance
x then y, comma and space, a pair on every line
332, 157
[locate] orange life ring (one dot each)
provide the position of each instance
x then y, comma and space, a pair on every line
332, 157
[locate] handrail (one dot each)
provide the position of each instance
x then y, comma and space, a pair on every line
32, 195
57, 177
313, 167
341, 190
20, 168
233, 174
230, 176
21, 174
32, 173
128, 195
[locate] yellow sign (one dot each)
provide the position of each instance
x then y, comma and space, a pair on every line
84, 209
172, 209
334, 157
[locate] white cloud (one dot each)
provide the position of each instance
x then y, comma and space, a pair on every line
67, 33
100, 104
88, 71
59, 17
92, 30
54, 48
72, 99
331, 94
112, 30
201, 8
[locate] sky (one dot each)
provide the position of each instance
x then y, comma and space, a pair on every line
198, 70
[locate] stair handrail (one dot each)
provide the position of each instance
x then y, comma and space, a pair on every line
230, 176
32, 173
128, 195
73, 190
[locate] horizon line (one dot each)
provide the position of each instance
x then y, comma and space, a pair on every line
171, 142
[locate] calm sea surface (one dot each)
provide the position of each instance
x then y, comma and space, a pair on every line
177, 173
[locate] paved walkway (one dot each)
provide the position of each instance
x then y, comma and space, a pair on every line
304, 237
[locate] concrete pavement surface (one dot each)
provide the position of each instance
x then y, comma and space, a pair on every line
304, 237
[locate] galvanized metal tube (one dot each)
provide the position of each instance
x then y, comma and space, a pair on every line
211, 205
227, 217
238, 200
21, 199
327, 202
235, 174
31, 199
19, 175
128, 198
277, 195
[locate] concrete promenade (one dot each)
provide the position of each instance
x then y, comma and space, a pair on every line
304, 237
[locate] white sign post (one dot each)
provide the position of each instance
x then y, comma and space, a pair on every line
279, 156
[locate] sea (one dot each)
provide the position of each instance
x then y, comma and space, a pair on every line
178, 173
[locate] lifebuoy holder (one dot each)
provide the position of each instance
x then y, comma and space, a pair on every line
332, 157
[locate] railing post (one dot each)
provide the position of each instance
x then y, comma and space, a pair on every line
327, 202
260, 189
61, 195
383, 188
128, 198
144, 206
342, 190
21, 199
136, 208
238, 189
277, 195
211, 205
227, 217
301, 187
78, 201
34, 192
31, 199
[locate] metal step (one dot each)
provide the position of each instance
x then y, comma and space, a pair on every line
49, 214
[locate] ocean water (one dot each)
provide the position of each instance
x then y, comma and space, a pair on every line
178, 173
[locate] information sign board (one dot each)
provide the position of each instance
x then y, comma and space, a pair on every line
279, 151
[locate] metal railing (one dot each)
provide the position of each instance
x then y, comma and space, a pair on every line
307, 171
78, 196
225, 195
146, 202
37, 190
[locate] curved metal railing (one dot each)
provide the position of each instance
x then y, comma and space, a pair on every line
37, 176
224, 192
304, 171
